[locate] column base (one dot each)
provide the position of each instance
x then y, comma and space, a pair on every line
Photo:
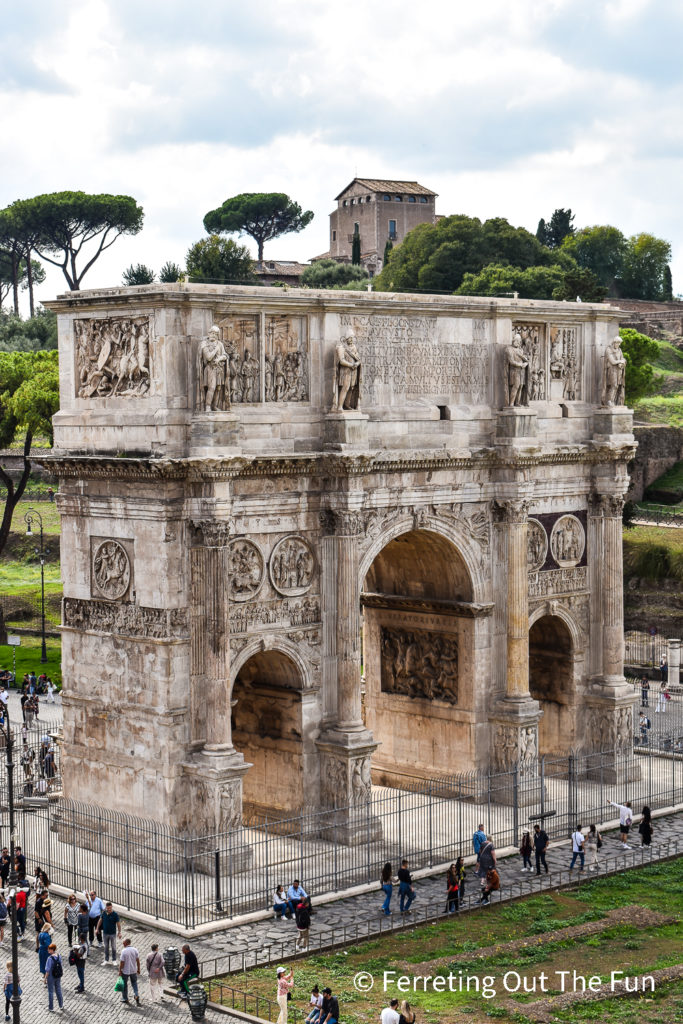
344, 430
346, 786
514, 747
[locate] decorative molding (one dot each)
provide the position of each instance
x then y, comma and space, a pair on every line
461, 609
215, 533
126, 619
607, 506
512, 511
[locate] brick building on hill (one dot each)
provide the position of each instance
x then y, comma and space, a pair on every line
379, 211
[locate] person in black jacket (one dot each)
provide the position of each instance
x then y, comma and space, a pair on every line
405, 888
330, 1011
645, 827
540, 846
303, 923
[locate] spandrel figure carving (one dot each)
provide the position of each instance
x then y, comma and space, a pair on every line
516, 373
214, 359
347, 373
613, 374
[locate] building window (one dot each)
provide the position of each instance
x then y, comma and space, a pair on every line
398, 199
412, 199
387, 199
368, 199
423, 199
334, 236
360, 200
353, 202
356, 228
345, 202
392, 230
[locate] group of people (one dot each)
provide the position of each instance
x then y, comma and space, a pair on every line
406, 890
663, 696
295, 904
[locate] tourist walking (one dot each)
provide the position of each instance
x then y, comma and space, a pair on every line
77, 957
155, 974
108, 927
625, 820
451, 890
486, 861
406, 1013
44, 942
53, 977
387, 886
645, 691
280, 903
71, 917
8, 987
644, 724
303, 923
4, 912
51, 691
285, 984
525, 850
405, 888
95, 909
645, 827
21, 900
664, 697
460, 875
591, 845
129, 968
540, 847
42, 914
478, 839
316, 1002
577, 848
82, 923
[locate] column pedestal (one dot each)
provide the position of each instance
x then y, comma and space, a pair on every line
516, 425
214, 434
514, 744
344, 430
673, 657
346, 788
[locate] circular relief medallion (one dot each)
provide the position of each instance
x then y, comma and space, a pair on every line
567, 541
111, 569
246, 568
537, 549
292, 566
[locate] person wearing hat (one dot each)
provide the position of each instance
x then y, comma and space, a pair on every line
525, 850
285, 984
42, 912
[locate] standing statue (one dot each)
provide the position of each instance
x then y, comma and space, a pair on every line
613, 374
346, 375
214, 371
516, 373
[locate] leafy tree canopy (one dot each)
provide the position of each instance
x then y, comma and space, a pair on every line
601, 249
16, 271
219, 260
640, 352
436, 257
29, 398
331, 274
63, 223
559, 227
170, 273
580, 283
501, 279
643, 274
138, 273
262, 215
37, 333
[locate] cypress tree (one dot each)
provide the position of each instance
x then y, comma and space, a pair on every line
355, 249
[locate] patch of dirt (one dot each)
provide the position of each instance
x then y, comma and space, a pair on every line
641, 917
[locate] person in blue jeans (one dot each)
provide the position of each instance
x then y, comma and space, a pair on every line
577, 848
54, 984
295, 894
405, 888
129, 968
387, 888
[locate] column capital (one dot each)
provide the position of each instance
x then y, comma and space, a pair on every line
212, 533
342, 522
512, 511
606, 506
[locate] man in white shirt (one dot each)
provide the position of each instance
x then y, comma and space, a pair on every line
129, 968
390, 1013
577, 848
625, 820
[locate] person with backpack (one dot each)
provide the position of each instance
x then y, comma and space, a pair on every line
591, 845
53, 977
77, 958
303, 923
486, 861
625, 820
478, 839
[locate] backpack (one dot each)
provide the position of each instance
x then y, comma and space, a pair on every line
72, 958
57, 969
599, 842
3, 911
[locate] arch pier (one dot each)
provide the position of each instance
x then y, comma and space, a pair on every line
316, 541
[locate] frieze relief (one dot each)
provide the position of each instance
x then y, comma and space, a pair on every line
110, 570
564, 360
112, 357
286, 360
419, 663
514, 746
275, 613
567, 541
291, 566
558, 581
126, 619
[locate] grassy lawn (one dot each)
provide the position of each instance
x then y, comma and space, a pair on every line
28, 657
631, 948
653, 553
48, 512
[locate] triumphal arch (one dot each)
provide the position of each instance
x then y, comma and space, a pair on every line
312, 540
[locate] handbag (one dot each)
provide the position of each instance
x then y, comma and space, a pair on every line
119, 986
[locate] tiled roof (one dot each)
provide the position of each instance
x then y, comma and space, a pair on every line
283, 267
380, 185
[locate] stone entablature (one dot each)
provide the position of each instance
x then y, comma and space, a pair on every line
302, 464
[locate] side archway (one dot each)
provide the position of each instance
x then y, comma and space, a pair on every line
552, 643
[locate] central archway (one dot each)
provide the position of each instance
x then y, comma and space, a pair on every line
268, 729
418, 656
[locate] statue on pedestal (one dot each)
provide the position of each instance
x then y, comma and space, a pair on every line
516, 373
346, 375
613, 374
213, 359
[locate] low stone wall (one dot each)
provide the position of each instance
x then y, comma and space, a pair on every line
659, 448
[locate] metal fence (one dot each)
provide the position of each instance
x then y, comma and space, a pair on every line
645, 649
659, 515
144, 865
24, 612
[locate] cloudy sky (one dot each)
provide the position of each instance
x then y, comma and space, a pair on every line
504, 109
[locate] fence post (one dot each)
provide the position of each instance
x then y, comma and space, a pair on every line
431, 825
156, 872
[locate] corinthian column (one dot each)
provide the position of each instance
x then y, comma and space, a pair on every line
514, 515
613, 589
347, 527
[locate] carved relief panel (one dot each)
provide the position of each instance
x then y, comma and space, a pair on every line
110, 568
246, 569
537, 546
286, 359
532, 338
240, 336
567, 541
565, 369
112, 357
292, 566
419, 663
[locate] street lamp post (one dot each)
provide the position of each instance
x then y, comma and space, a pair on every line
12, 878
42, 552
